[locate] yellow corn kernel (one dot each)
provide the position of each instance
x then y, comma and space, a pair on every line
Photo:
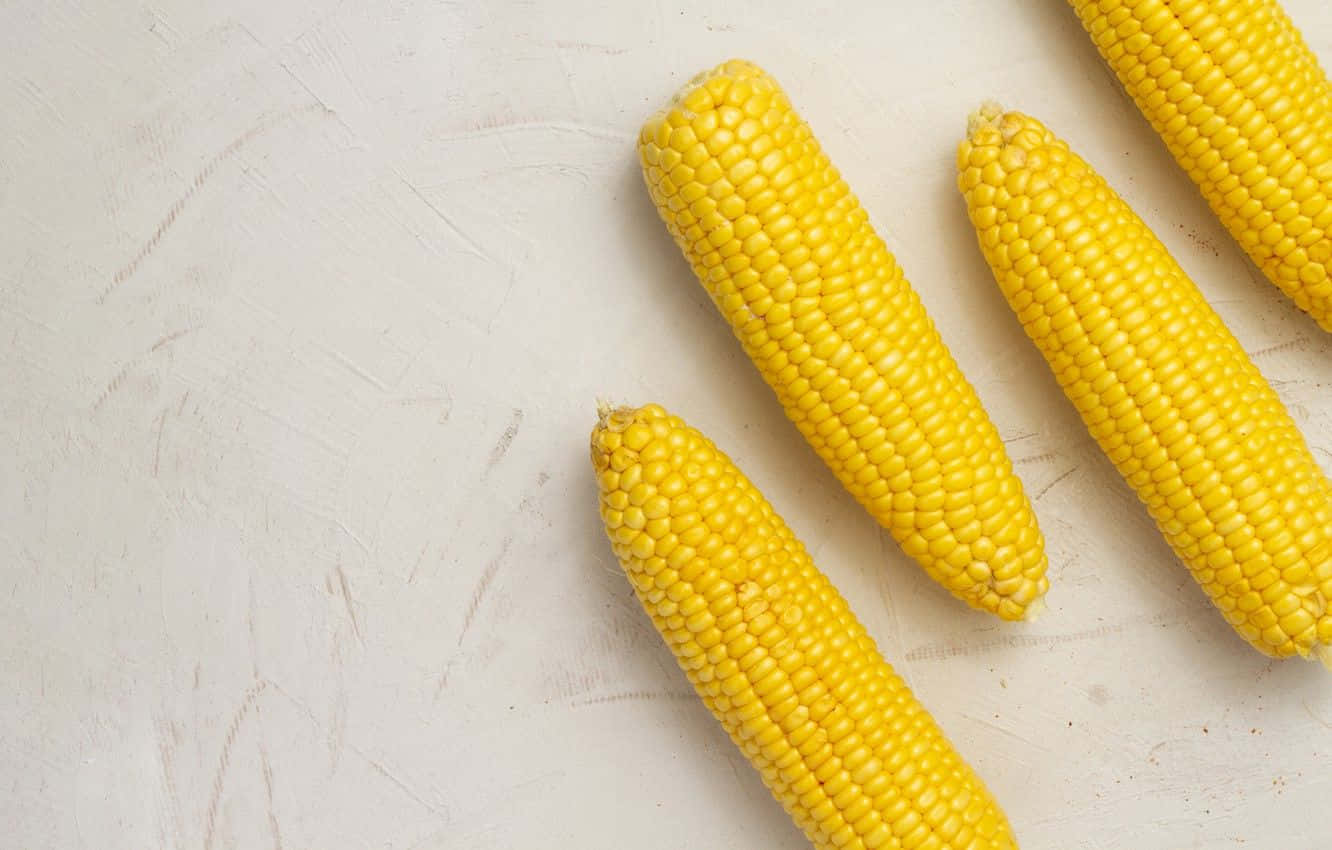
821, 307
796, 681
1161, 383
1246, 110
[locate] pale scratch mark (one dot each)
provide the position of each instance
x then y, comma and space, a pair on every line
348, 601
482, 585
504, 299
537, 780
944, 651
411, 576
470, 244
1040, 458
181, 409
1020, 437
337, 730
113, 385
940, 652
266, 770
506, 440
161, 28
586, 47
1320, 721
635, 696
249, 32
300, 704
359, 372
560, 168
1009, 733
299, 427
250, 621
378, 767
34, 93
1048, 487
444, 677
317, 99
224, 761
316, 27
170, 338
506, 128
118, 380
579, 680
173, 212
166, 755
1298, 344
444, 401
570, 81
360, 544
27, 318
157, 452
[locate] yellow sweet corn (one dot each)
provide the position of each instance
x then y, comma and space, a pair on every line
774, 651
1246, 110
1160, 382
789, 257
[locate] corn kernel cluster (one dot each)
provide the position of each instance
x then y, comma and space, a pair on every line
1245, 108
774, 651
789, 257
1160, 382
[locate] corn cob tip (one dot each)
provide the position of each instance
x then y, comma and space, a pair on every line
611, 421
704, 91
987, 115
621, 431
993, 127
735, 67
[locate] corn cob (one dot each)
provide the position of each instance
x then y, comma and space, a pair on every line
773, 650
790, 259
1245, 108
1160, 382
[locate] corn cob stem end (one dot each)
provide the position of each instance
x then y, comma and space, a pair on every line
612, 421
992, 116
986, 115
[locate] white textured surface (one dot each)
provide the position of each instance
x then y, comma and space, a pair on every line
304, 309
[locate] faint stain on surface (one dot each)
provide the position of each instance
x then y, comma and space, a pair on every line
501, 447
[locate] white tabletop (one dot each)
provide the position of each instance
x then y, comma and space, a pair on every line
305, 310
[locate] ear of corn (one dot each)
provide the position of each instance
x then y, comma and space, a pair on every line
1160, 382
819, 304
774, 651
1245, 108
